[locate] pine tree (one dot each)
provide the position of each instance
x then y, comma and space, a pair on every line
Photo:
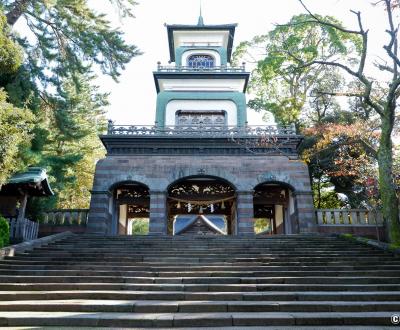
67, 41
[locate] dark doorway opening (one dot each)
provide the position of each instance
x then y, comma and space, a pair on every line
210, 197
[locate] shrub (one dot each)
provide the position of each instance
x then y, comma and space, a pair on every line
4, 232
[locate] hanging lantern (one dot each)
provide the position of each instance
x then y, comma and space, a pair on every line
189, 207
201, 209
179, 205
212, 208
223, 205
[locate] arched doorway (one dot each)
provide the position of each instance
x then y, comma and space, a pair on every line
201, 205
131, 208
273, 209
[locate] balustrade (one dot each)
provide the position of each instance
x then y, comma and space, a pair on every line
182, 68
65, 217
349, 217
201, 130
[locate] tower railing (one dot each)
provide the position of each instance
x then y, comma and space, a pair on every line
183, 68
201, 130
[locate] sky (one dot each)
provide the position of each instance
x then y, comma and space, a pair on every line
133, 99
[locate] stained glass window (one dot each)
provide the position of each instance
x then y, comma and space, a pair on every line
201, 61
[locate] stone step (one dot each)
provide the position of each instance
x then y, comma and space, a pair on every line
199, 280
269, 247
196, 287
179, 259
15, 265
86, 253
221, 274
169, 320
202, 296
162, 306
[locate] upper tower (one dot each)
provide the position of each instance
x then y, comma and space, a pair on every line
201, 88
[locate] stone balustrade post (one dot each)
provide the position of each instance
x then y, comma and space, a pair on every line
158, 213
245, 213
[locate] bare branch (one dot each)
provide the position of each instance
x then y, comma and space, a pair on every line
318, 20
391, 47
384, 67
351, 94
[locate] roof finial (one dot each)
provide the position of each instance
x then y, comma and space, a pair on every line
200, 21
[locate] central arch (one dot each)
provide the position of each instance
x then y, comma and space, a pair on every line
201, 204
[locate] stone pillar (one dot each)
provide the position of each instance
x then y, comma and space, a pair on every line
158, 213
99, 219
305, 212
245, 213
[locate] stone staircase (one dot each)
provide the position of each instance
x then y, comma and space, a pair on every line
199, 282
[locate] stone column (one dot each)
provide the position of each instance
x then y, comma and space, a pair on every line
305, 212
245, 213
158, 213
99, 219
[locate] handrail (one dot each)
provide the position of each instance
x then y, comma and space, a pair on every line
183, 68
200, 130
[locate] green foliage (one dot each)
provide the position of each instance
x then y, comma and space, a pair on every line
15, 128
279, 82
4, 232
69, 36
346, 235
285, 84
325, 196
10, 52
67, 41
140, 226
262, 224
394, 247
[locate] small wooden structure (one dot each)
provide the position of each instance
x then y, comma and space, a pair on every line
196, 225
13, 199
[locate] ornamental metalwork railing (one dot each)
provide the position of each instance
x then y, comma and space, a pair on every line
179, 68
201, 131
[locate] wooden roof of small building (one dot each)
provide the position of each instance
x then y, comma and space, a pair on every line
33, 182
197, 225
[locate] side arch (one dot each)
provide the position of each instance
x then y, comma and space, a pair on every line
275, 210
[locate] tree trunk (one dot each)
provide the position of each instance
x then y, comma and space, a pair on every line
390, 203
18, 8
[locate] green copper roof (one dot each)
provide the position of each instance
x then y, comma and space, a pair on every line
34, 176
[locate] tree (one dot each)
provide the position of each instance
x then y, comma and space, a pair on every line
69, 35
277, 82
67, 41
293, 94
381, 97
15, 127
15, 123
342, 154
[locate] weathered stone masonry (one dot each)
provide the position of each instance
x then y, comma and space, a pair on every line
158, 172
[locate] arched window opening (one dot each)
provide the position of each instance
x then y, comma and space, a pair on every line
132, 208
271, 201
200, 61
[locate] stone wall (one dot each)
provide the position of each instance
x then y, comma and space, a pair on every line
158, 172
